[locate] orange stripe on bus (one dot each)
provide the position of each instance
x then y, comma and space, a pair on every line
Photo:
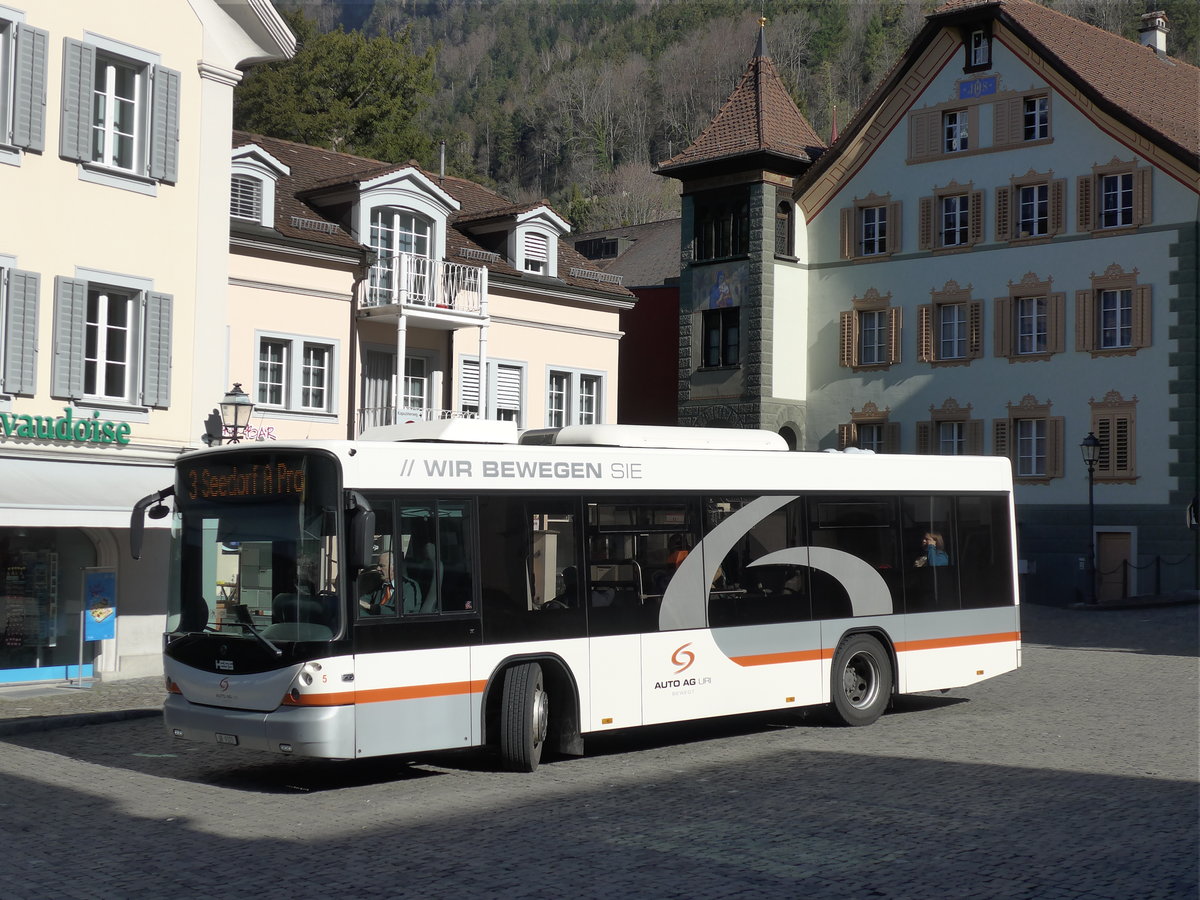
965, 641
769, 659
383, 695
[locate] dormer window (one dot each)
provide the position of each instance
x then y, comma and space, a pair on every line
252, 185
401, 241
245, 198
978, 47
537, 253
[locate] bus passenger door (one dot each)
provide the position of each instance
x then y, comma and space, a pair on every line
417, 618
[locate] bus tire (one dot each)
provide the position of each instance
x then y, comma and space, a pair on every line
860, 681
524, 717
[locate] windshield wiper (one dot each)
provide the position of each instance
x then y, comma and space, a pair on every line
242, 613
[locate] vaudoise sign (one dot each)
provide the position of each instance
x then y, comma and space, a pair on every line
92, 430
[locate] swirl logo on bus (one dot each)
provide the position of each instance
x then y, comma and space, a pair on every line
683, 657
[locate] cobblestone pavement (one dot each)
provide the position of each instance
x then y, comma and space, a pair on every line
1075, 777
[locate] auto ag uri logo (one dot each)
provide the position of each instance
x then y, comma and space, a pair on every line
683, 657
224, 685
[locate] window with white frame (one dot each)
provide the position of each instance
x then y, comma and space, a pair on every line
120, 111
1114, 197
19, 292
1033, 210
415, 395
1032, 439
1031, 207
112, 340
23, 53
979, 50
295, 374
1030, 321
869, 332
1113, 317
536, 253
950, 431
955, 131
955, 220
573, 398
503, 394
1035, 112
246, 198
874, 230
950, 327
107, 361
870, 228
869, 429
402, 242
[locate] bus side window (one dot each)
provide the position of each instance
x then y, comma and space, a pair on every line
931, 579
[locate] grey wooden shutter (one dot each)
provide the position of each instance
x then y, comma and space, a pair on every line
508, 390
156, 364
79, 74
29, 88
20, 335
70, 326
468, 389
164, 125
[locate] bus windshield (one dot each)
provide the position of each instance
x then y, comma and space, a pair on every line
259, 556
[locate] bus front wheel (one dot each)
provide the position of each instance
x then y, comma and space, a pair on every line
524, 718
861, 680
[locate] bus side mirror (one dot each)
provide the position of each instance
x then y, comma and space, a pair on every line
360, 531
137, 519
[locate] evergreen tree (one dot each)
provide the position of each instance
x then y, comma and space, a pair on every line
344, 92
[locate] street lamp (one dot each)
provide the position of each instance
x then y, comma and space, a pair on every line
236, 409
1090, 448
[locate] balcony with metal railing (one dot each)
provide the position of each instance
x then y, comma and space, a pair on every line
374, 416
410, 283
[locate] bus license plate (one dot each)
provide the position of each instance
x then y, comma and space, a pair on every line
227, 739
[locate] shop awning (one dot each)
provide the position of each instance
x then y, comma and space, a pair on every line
40, 493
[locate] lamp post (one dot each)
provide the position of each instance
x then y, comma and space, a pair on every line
1090, 448
236, 409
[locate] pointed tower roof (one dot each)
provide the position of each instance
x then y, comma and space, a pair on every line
758, 120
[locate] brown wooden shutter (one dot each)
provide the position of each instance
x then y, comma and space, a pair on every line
925, 332
975, 329
846, 235
1143, 196
1000, 446
847, 436
1003, 328
976, 216
925, 224
1058, 205
891, 437
1123, 446
1085, 321
1054, 447
1008, 122
924, 437
1142, 318
923, 132
849, 342
973, 432
1102, 428
894, 319
1085, 185
1056, 323
1003, 214
893, 224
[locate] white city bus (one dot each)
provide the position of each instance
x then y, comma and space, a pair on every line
456, 584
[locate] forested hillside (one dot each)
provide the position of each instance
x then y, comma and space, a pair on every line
575, 100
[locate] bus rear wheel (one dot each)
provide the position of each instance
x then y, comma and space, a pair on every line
524, 717
861, 680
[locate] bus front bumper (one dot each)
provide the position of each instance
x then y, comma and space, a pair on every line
324, 732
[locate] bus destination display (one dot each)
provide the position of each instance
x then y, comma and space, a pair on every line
245, 481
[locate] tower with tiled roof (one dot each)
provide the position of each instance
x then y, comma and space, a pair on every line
738, 252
